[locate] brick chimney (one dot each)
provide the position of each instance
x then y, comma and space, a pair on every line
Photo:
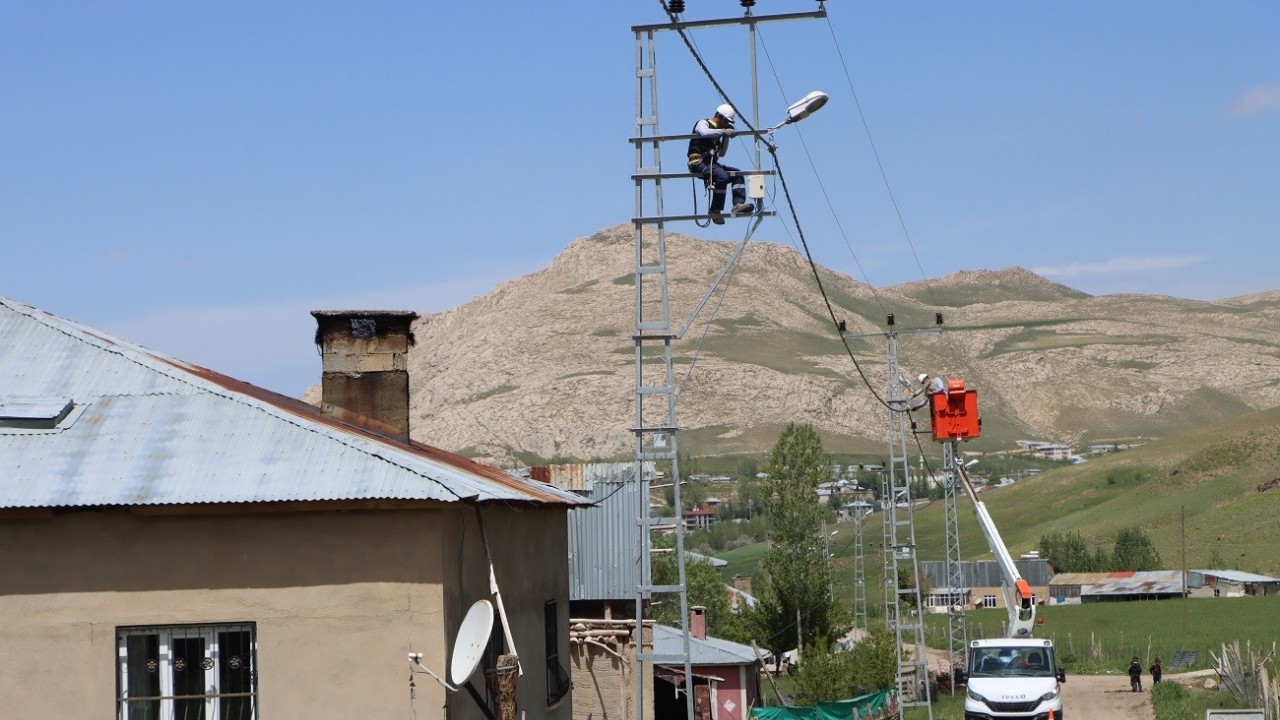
742, 583
365, 370
698, 622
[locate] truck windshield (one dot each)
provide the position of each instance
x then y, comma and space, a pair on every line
1009, 662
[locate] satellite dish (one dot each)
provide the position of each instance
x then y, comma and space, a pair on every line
473, 638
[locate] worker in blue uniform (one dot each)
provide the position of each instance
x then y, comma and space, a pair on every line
709, 144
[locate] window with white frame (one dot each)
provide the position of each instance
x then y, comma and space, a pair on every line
988, 601
187, 672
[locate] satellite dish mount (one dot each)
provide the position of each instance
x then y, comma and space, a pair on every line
468, 649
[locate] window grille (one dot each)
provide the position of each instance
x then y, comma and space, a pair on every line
187, 672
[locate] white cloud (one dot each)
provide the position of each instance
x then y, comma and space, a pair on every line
1120, 265
1256, 100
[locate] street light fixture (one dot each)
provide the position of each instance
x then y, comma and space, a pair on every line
801, 109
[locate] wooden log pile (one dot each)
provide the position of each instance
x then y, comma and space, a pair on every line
1246, 676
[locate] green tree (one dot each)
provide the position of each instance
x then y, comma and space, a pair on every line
750, 495
1134, 551
797, 575
1102, 561
692, 494
704, 587
1068, 553
870, 666
875, 661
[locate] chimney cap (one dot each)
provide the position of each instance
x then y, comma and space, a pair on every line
362, 313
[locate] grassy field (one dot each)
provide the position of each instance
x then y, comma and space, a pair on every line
1100, 638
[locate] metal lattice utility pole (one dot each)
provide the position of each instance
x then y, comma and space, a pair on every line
859, 573
899, 547
957, 627
656, 428
655, 424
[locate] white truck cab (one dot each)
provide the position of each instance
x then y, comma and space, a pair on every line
1012, 679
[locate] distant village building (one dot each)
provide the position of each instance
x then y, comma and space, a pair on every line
1231, 583
1080, 588
700, 519
981, 584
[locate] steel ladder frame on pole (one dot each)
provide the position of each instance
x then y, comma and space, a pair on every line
654, 441
654, 335
957, 623
900, 545
859, 574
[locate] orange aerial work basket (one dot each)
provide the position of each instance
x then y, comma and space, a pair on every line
954, 413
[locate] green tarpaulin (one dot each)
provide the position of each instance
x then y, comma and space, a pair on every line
863, 706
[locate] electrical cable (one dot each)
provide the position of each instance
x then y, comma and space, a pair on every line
884, 176
706, 328
822, 186
813, 267
698, 59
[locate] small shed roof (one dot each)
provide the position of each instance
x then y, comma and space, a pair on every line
702, 651
1238, 576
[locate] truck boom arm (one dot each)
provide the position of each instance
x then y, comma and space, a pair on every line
1017, 592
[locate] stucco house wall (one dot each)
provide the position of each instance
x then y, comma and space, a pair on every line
338, 600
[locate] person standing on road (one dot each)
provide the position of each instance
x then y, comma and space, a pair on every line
1157, 672
1135, 675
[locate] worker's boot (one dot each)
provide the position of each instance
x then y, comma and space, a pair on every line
717, 208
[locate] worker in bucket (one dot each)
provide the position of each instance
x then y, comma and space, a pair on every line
709, 144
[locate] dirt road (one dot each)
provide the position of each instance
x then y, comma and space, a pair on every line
1104, 697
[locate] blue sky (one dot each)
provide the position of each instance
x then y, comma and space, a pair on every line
198, 177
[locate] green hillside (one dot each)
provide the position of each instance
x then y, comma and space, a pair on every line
1210, 475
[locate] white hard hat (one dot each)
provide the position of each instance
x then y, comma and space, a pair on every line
922, 378
726, 111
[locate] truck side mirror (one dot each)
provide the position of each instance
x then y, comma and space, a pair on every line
1062, 675
961, 677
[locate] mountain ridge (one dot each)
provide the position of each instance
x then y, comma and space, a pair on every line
542, 367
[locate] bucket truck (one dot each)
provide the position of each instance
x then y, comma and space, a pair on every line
1016, 677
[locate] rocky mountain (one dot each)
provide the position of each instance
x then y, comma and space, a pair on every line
542, 368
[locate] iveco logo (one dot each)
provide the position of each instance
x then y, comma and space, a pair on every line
1019, 696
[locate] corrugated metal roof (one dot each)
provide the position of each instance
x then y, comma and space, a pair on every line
147, 429
1146, 582
714, 562
986, 573
1238, 576
702, 651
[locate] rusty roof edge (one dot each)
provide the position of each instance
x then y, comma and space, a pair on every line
310, 413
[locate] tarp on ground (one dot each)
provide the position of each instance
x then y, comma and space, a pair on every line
871, 705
